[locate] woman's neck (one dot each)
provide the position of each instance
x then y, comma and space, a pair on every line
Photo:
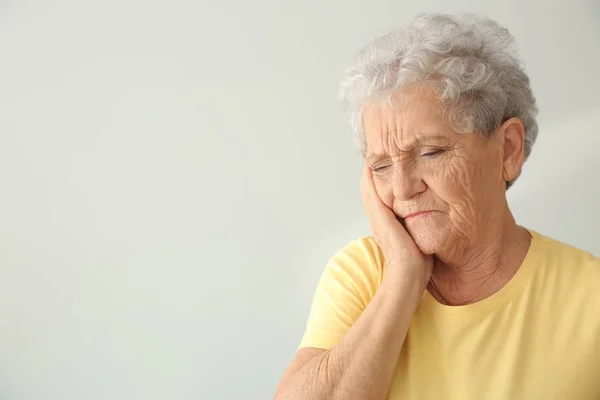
483, 269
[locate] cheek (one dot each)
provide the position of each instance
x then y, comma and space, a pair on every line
450, 182
454, 184
490, 175
466, 186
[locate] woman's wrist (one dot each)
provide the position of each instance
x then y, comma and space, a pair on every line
405, 284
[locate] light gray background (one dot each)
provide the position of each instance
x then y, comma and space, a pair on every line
175, 175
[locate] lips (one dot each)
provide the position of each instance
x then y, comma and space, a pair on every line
419, 214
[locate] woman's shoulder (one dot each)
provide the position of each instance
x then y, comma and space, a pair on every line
568, 282
359, 257
365, 246
569, 258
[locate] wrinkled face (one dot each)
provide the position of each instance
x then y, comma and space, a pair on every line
446, 187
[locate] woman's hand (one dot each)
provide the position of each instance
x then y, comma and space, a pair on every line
403, 258
362, 364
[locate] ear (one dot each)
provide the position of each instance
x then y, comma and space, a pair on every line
513, 132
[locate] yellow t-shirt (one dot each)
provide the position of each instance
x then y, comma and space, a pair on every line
537, 338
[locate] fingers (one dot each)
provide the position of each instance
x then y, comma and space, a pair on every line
376, 210
397, 245
383, 220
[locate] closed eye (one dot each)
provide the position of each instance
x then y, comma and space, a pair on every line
380, 169
431, 154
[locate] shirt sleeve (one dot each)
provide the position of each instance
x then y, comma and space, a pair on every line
346, 287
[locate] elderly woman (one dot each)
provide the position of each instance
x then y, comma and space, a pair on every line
449, 298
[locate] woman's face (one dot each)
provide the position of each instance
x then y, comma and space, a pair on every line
447, 188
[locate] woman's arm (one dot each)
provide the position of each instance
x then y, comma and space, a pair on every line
362, 364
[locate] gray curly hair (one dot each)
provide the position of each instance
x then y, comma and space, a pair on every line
470, 62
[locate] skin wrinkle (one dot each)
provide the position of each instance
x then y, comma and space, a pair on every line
324, 365
495, 257
463, 182
454, 282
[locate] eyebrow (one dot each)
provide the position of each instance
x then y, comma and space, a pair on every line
423, 141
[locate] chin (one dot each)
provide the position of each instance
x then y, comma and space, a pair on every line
428, 239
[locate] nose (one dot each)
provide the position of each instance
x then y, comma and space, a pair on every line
406, 182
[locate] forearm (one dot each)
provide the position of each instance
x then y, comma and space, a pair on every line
362, 364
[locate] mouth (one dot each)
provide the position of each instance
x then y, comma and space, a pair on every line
419, 214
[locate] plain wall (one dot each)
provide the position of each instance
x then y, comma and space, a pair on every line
175, 175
